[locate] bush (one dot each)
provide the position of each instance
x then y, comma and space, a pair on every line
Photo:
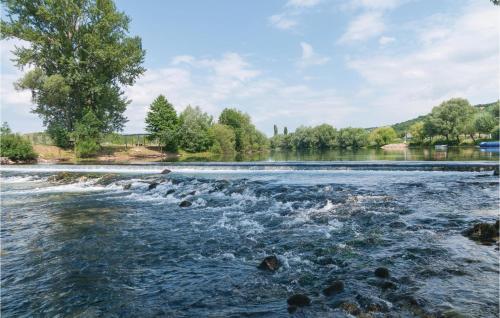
59, 135
382, 136
14, 147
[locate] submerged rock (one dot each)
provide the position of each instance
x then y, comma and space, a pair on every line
298, 300
185, 204
170, 191
270, 263
484, 232
166, 171
350, 308
335, 288
152, 185
127, 186
382, 272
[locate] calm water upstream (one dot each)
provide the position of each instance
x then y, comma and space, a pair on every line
119, 245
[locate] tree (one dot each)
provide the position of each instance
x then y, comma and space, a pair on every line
417, 132
223, 138
87, 135
247, 137
484, 122
495, 132
193, 130
275, 130
162, 123
285, 131
449, 119
15, 147
352, 137
326, 136
382, 136
80, 57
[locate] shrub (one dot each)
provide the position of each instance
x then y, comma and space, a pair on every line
14, 147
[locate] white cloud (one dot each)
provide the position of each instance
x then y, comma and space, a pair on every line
363, 27
302, 3
182, 59
282, 21
309, 57
373, 4
384, 40
454, 59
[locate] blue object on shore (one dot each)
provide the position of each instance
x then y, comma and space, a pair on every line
489, 144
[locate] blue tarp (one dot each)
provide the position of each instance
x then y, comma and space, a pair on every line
489, 144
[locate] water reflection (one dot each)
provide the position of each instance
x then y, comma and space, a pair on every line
408, 154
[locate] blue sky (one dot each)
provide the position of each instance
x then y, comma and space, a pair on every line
302, 62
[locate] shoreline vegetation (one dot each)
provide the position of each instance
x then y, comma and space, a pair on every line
194, 135
77, 81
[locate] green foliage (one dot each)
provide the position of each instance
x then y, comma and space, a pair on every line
326, 136
285, 131
382, 136
59, 135
80, 56
449, 119
484, 122
223, 139
417, 132
15, 147
495, 132
247, 137
162, 123
275, 130
87, 135
352, 137
194, 128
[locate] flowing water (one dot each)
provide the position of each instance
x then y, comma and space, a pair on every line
117, 244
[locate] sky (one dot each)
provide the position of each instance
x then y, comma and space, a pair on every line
359, 63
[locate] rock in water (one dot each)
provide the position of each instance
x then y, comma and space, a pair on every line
127, 186
170, 191
166, 171
382, 272
335, 288
483, 232
270, 263
185, 204
298, 300
152, 185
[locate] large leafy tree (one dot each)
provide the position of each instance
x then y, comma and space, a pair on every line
79, 57
247, 137
162, 123
449, 119
194, 127
382, 136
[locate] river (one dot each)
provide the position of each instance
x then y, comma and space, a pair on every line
112, 240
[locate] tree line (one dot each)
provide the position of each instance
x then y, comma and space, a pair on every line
195, 131
455, 121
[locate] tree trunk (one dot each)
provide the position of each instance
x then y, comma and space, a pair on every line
472, 137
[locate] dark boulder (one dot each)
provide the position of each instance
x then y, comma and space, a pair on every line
152, 185
382, 272
298, 300
185, 204
166, 171
170, 191
388, 285
270, 263
484, 232
335, 288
